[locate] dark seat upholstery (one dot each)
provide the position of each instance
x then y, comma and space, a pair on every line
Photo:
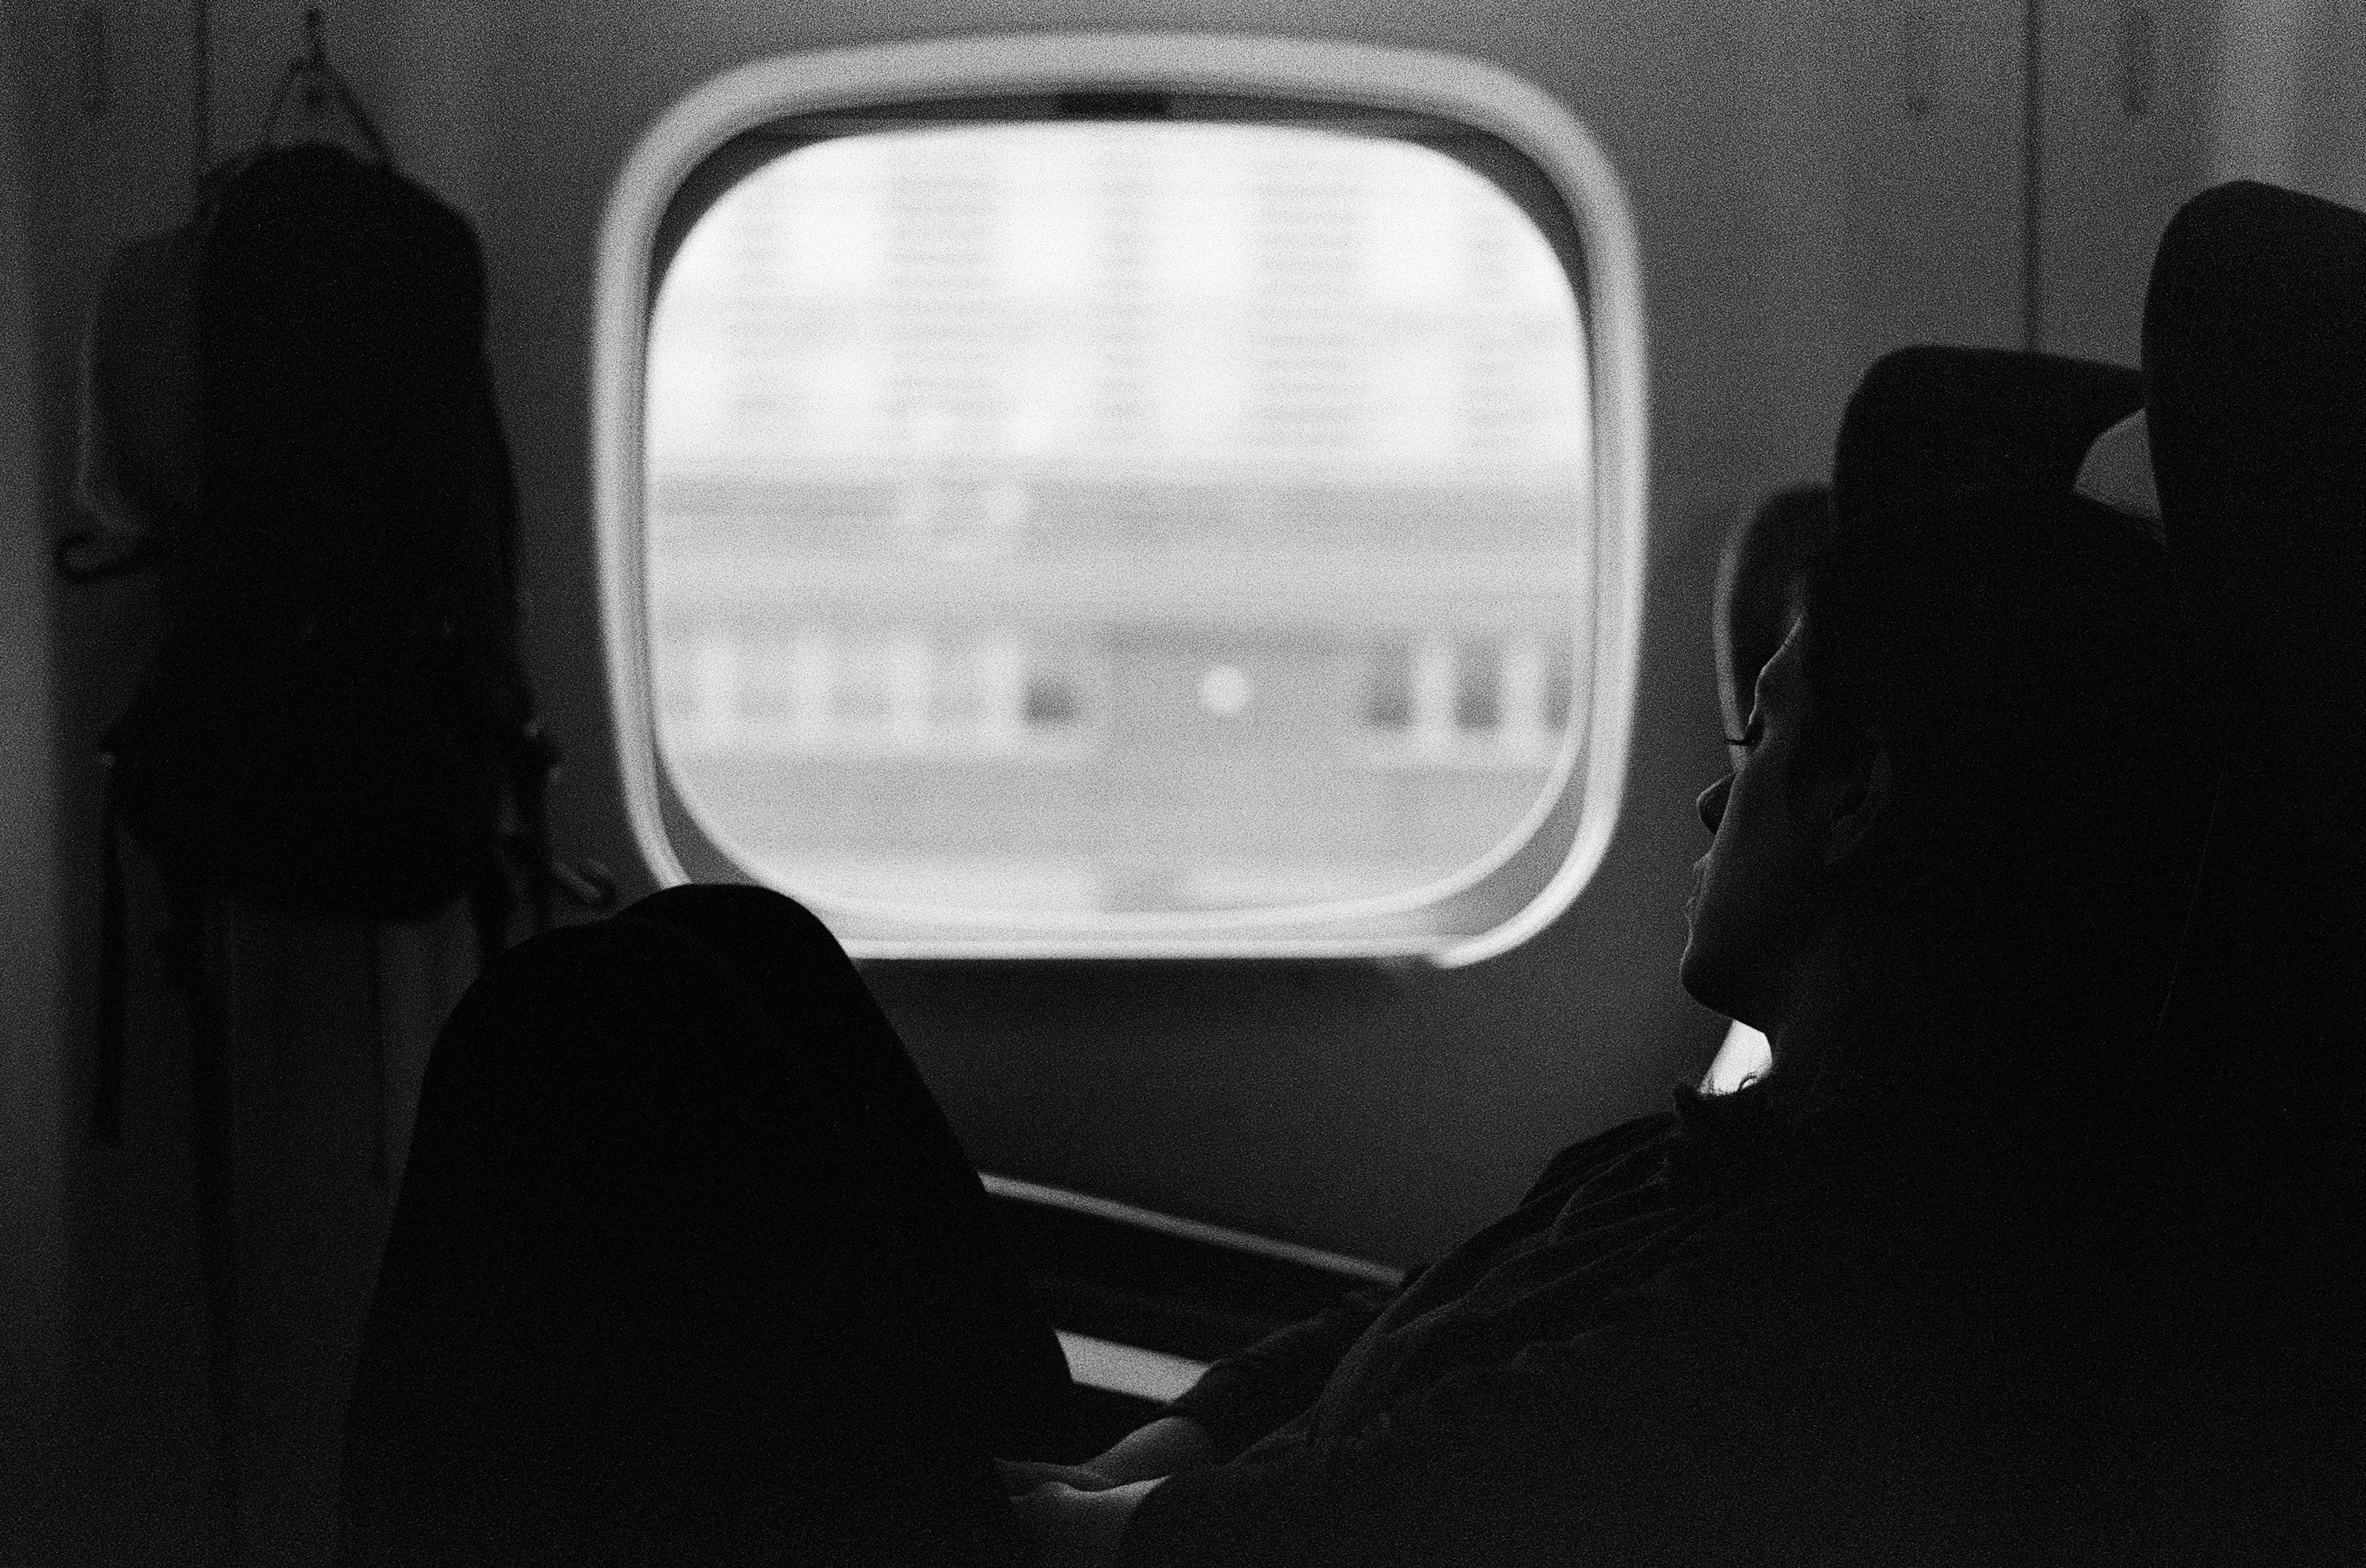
2249, 1403
673, 1277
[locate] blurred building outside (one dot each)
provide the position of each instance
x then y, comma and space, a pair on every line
1123, 517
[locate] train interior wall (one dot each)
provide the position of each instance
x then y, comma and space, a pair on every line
1815, 181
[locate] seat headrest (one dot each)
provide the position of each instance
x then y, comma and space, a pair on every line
2255, 384
1930, 422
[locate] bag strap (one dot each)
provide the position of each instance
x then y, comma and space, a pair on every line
490, 904
530, 769
588, 885
182, 949
107, 1075
212, 1127
533, 757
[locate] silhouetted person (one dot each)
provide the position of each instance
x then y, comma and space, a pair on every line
688, 1269
722, 1286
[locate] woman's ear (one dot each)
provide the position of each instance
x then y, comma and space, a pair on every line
1863, 807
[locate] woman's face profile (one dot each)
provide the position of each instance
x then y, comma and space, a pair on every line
1761, 892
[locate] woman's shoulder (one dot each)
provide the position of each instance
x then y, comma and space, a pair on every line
1592, 1157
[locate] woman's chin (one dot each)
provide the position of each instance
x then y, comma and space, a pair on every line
1697, 973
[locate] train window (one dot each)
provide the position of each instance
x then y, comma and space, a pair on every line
1048, 518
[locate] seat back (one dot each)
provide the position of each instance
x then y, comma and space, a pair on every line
2253, 1378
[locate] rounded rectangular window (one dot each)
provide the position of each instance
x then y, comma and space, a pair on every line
1062, 522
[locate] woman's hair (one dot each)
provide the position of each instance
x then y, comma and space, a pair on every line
2021, 659
1757, 587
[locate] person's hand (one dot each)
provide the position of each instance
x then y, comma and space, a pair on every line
1022, 1475
1069, 1527
1168, 1446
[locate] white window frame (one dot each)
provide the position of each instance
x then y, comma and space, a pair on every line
1485, 98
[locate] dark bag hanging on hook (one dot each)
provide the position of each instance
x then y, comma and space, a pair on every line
330, 724
337, 723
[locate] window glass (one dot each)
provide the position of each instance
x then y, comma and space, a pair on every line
1115, 518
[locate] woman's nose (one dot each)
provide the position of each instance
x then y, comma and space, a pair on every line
1712, 802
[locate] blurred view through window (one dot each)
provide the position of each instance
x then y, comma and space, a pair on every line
1115, 517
